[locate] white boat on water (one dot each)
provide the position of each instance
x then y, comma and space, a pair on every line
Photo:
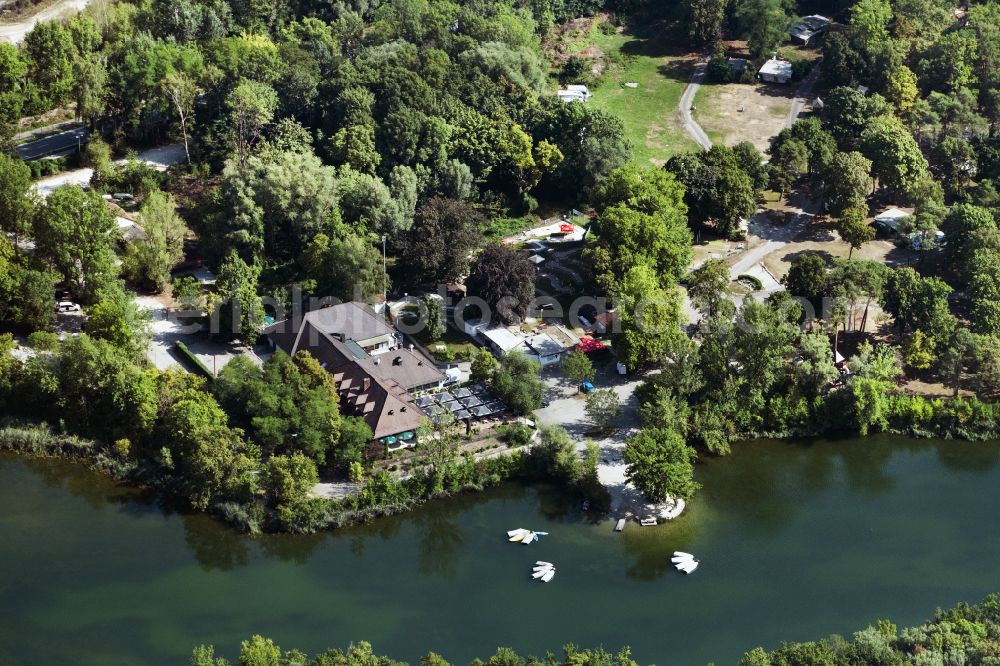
532, 536
688, 567
519, 530
548, 575
541, 572
680, 553
544, 564
681, 558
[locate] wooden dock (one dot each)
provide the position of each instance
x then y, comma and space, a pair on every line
621, 525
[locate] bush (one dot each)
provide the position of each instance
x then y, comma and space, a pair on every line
801, 69
751, 281
43, 341
516, 434
193, 360
719, 70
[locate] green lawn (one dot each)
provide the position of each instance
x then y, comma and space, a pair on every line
649, 111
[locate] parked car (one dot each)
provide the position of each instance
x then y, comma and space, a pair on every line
67, 306
587, 387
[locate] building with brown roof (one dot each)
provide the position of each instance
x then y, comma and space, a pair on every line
373, 374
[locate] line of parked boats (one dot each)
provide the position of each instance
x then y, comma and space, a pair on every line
524, 536
684, 561
546, 571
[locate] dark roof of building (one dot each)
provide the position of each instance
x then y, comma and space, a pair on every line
406, 367
355, 321
375, 391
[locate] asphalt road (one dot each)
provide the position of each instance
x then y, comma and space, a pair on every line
53, 145
687, 100
801, 95
159, 158
15, 32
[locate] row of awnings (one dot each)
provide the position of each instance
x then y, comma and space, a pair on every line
396, 439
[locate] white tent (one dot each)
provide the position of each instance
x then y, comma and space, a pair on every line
775, 71
889, 219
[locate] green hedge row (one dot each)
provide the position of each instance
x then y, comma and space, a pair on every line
193, 360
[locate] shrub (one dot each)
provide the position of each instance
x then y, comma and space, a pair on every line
751, 281
719, 70
516, 434
193, 360
43, 340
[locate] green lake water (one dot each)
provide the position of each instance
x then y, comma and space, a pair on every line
796, 541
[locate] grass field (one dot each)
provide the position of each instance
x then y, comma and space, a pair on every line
642, 55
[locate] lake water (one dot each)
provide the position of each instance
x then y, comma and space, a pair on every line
796, 541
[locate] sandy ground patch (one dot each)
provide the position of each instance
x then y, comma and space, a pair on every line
933, 389
736, 112
822, 238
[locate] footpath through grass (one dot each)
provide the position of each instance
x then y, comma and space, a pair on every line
646, 54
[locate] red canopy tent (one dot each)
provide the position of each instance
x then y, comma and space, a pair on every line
566, 228
588, 345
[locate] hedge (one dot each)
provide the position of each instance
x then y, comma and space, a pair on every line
193, 360
753, 280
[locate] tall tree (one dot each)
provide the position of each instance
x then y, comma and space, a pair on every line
659, 464
650, 316
847, 182
150, 257
505, 280
854, 229
763, 23
239, 311
705, 18
16, 201
50, 50
252, 106
895, 155
708, 285
443, 235
181, 90
345, 265
74, 231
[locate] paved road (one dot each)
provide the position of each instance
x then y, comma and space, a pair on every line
801, 95
63, 142
158, 158
15, 32
687, 101
567, 409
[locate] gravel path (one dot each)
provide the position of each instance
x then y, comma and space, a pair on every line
801, 95
689, 124
15, 32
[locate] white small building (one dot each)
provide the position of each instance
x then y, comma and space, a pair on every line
471, 327
574, 93
889, 219
775, 71
545, 349
501, 341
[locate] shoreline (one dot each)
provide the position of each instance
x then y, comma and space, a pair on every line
40, 441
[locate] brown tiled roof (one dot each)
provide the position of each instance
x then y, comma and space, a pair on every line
377, 397
353, 321
407, 368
